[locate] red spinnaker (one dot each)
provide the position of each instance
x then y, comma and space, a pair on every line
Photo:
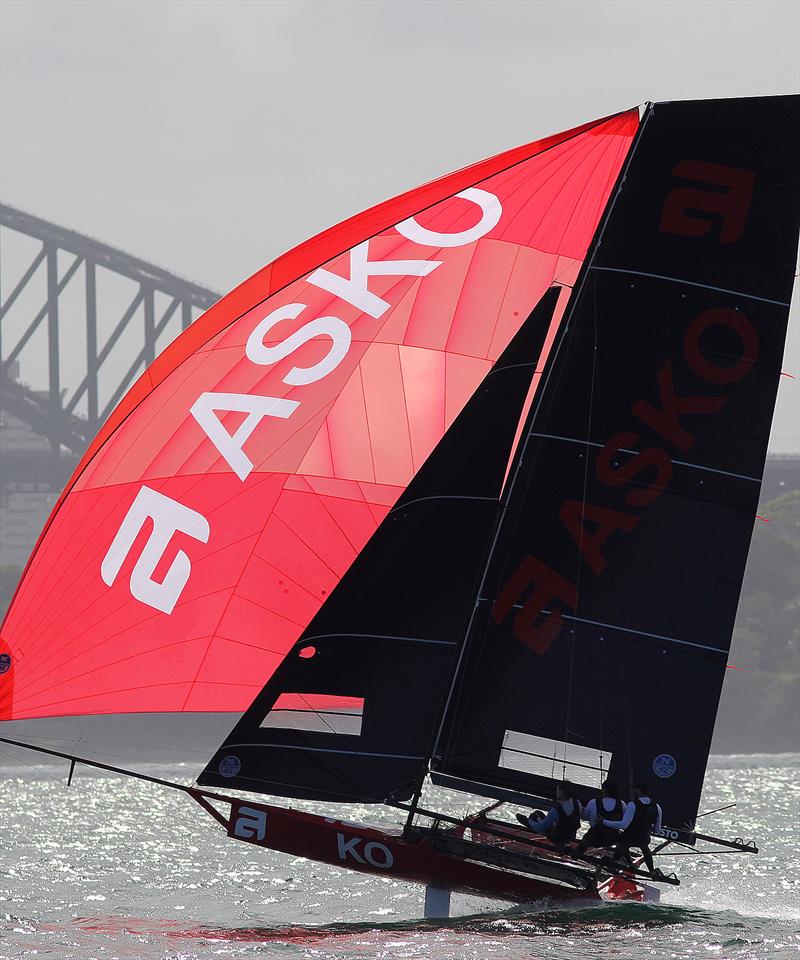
239, 478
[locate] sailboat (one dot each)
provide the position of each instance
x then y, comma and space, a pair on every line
458, 492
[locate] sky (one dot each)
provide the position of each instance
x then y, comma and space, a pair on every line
209, 137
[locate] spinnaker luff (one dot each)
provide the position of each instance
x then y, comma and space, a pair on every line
459, 487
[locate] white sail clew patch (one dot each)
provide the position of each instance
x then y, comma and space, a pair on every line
169, 517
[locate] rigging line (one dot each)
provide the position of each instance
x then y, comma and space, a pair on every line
7, 753
100, 766
502, 301
311, 709
580, 554
691, 283
699, 853
118, 743
717, 810
397, 358
599, 668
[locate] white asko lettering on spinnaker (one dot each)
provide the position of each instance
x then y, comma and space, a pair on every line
170, 516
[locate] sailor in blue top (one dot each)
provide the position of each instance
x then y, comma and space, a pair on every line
610, 808
562, 822
641, 818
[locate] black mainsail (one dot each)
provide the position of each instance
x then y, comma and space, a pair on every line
607, 610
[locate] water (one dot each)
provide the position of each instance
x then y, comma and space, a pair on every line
119, 868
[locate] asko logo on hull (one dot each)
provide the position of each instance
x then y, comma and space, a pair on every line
165, 517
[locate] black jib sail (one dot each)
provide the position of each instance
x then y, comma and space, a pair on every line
605, 616
351, 711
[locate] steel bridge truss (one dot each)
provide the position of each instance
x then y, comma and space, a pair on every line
69, 414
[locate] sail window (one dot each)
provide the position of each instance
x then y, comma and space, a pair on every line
316, 713
556, 759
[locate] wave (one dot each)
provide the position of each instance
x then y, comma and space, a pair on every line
528, 920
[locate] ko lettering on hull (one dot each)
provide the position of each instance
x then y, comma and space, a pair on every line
375, 854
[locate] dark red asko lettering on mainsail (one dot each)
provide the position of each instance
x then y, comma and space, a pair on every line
542, 594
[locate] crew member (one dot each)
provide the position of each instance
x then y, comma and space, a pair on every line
610, 808
641, 818
562, 822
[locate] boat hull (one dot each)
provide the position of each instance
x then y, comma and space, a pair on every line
437, 858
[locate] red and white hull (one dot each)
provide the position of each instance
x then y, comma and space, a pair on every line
432, 858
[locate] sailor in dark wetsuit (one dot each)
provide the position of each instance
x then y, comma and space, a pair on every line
609, 807
562, 822
641, 818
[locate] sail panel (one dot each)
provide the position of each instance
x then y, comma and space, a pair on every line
608, 606
244, 473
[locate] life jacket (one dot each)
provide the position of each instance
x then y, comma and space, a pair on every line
644, 819
566, 828
616, 813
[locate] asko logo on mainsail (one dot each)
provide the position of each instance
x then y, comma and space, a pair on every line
457, 488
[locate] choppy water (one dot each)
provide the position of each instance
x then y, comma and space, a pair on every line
118, 868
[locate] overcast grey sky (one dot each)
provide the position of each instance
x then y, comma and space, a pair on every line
211, 136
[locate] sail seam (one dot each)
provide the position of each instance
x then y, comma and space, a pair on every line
691, 283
